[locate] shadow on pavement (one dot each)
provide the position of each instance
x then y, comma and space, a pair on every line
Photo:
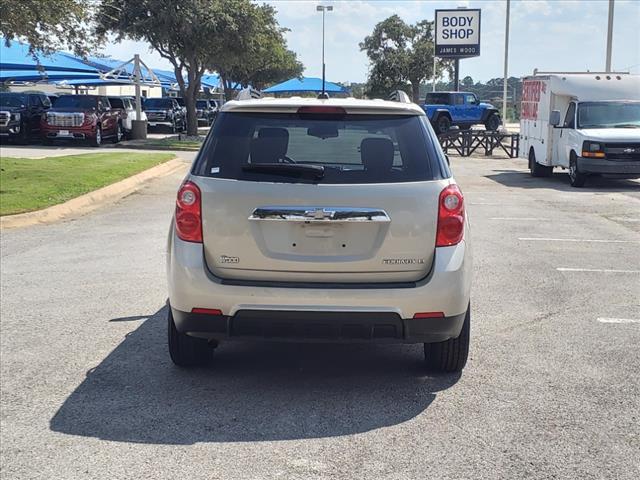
560, 181
252, 391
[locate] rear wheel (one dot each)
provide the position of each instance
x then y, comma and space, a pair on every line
536, 169
186, 351
576, 177
443, 124
493, 122
451, 355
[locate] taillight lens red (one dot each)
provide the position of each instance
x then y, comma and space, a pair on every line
188, 213
450, 217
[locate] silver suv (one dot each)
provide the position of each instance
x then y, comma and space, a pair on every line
320, 220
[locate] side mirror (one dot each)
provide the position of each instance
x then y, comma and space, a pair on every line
554, 118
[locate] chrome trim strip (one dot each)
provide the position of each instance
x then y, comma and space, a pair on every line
319, 214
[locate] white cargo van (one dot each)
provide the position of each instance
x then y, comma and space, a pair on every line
587, 123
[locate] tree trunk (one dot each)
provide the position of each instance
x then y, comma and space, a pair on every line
415, 91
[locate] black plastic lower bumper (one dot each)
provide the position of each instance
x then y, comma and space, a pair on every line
314, 326
613, 167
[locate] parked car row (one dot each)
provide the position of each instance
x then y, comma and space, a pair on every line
32, 116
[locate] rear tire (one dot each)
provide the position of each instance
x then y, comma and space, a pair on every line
443, 124
451, 355
536, 169
23, 136
186, 351
493, 122
576, 177
118, 134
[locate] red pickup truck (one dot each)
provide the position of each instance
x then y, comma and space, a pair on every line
81, 117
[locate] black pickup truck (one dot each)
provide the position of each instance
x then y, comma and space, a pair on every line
20, 115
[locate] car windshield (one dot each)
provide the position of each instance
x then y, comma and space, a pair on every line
348, 148
437, 98
76, 101
12, 100
609, 115
151, 103
116, 102
201, 104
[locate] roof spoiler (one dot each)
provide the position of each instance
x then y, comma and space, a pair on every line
249, 94
399, 96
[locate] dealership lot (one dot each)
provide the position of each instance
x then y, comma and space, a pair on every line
550, 391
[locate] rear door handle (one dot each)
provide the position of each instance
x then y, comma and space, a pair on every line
319, 214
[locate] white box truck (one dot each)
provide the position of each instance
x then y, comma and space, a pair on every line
587, 123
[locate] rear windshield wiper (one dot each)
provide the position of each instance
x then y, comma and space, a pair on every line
291, 169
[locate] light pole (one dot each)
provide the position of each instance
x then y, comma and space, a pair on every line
323, 8
506, 65
609, 36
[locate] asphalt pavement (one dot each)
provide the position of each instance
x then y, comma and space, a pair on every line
550, 391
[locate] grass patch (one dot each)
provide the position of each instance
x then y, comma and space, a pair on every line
28, 184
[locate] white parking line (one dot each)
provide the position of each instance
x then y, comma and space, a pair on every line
619, 320
597, 270
531, 219
581, 240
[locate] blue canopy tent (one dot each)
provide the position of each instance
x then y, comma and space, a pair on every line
33, 76
306, 84
17, 57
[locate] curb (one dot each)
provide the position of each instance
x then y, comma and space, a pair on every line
92, 200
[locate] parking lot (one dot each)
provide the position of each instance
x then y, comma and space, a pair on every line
550, 391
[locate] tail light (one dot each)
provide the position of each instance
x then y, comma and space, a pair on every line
189, 213
450, 217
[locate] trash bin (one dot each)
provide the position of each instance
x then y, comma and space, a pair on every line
138, 129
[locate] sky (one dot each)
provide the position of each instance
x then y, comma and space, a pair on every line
551, 35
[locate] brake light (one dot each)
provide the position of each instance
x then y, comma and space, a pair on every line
450, 217
321, 110
207, 311
188, 213
429, 315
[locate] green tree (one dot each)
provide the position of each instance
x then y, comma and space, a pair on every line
258, 56
467, 82
184, 32
401, 56
48, 25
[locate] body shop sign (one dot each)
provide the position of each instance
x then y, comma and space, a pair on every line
457, 33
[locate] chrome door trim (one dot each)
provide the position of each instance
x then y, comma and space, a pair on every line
315, 213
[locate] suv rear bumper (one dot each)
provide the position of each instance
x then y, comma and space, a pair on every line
332, 308
318, 326
620, 167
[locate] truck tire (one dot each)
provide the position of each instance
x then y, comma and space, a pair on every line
97, 140
493, 122
536, 169
576, 177
23, 136
186, 351
117, 137
451, 355
442, 124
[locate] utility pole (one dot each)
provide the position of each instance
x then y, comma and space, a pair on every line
506, 64
609, 36
323, 8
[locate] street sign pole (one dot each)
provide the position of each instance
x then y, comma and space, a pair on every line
456, 75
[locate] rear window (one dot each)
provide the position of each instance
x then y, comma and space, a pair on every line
351, 148
438, 98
